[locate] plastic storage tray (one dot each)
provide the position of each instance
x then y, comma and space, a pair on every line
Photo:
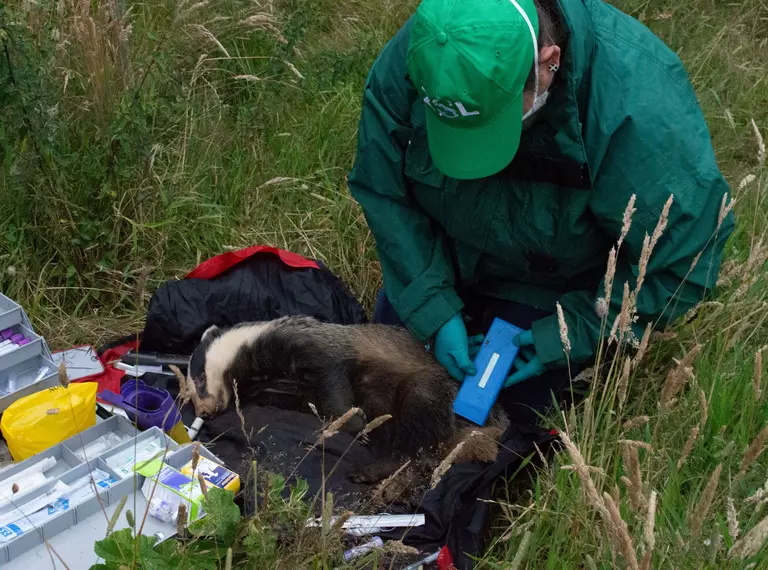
10, 313
73, 532
26, 360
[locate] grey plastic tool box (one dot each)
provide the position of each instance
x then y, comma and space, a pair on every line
26, 360
70, 535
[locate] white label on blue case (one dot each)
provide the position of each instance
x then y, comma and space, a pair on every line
489, 370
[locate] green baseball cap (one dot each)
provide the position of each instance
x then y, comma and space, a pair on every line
469, 60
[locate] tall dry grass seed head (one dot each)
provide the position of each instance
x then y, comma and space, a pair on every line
677, 377
181, 519
626, 222
522, 552
632, 469
340, 520
645, 563
758, 496
446, 463
185, 392
625, 316
563, 326
760, 144
375, 423
610, 273
725, 208
643, 348
195, 455
688, 446
733, 519
635, 422
746, 181
757, 376
586, 480
621, 530
63, 377
649, 243
661, 225
586, 375
203, 485
751, 543
695, 262
703, 408
650, 523
704, 504
336, 425
623, 386
614, 330
382, 488
753, 452
601, 308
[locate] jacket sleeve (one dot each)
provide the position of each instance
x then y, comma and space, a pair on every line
661, 150
417, 273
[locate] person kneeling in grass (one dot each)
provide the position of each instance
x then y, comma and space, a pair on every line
507, 150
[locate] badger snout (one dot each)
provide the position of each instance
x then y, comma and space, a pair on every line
208, 401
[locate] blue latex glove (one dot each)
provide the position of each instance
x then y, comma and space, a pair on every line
526, 365
452, 348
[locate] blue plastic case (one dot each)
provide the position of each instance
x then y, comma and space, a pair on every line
478, 393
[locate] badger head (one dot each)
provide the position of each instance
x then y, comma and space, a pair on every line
206, 387
212, 366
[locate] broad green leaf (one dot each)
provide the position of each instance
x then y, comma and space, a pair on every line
117, 547
222, 517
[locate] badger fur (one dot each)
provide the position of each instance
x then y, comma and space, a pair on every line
377, 368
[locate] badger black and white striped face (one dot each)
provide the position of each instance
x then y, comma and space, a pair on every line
210, 369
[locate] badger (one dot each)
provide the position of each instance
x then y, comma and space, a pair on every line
380, 369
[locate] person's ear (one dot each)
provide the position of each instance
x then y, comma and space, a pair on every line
549, 63
549, 56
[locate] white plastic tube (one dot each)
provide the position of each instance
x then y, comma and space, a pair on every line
195, 428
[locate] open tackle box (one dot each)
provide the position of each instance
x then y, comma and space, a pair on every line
26, 365
32, 536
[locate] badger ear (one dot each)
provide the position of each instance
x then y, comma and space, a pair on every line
211, 333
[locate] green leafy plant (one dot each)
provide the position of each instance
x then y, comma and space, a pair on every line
122, 549
277, 532
222, 517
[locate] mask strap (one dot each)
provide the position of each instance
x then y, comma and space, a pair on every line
535, 48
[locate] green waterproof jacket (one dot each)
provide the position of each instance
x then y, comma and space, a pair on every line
622, 119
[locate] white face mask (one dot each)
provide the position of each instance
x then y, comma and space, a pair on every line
538, 100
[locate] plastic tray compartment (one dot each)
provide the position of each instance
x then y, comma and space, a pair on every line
62, 520
67, 469
65, 461
87, 438
183, 455
135, 449
10, 313
23, 372
36, 536
26, 352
